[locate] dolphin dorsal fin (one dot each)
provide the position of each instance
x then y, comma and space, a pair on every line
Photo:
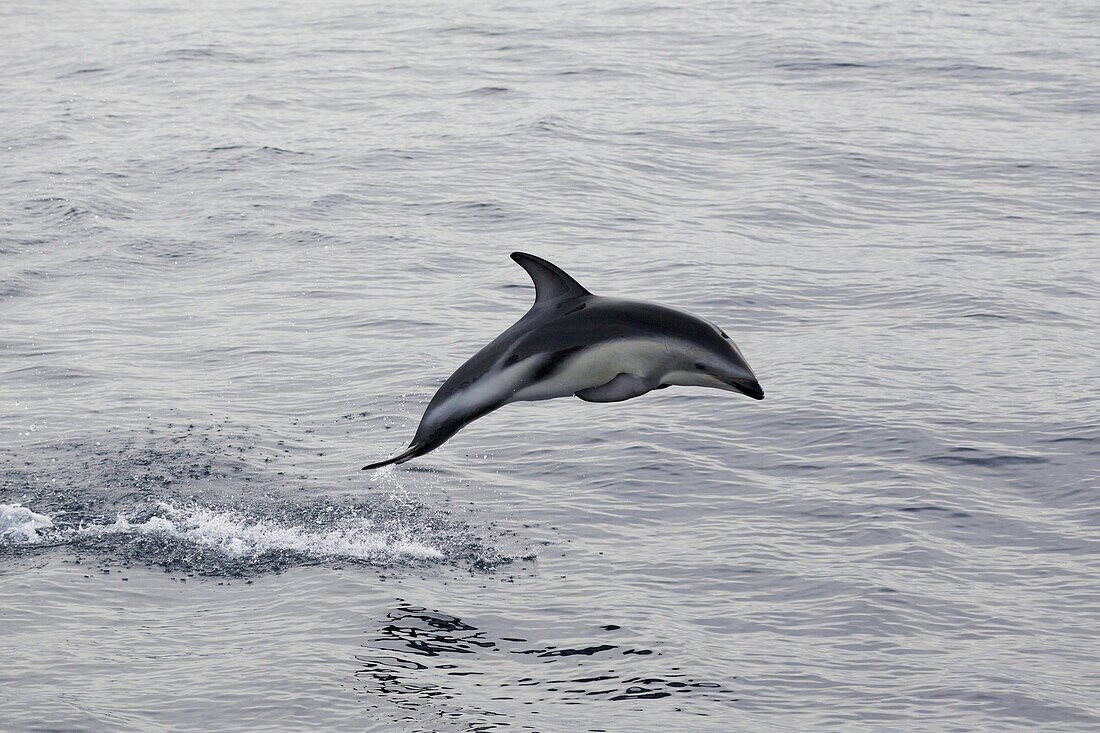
551, 282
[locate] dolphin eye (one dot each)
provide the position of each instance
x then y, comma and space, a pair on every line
700, 366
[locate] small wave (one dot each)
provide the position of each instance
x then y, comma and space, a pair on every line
486, 91
20, 525
821, 65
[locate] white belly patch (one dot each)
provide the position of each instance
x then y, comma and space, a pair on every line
597, 365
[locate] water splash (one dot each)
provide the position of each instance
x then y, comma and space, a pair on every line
20, 525
234, 540
237, 536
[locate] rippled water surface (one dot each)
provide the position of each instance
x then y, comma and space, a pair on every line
240, 247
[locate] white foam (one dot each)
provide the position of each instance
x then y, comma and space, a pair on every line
238, 536
231, 533
20, 525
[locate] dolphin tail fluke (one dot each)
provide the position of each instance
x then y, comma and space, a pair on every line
412, 452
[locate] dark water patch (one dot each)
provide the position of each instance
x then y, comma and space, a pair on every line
984, 459
476, 30
51, 374
586, 71
14, 287
425, 656
821, 65
280, 151
952, 513
170, 249
233, 159
989, 317
489, 91
208, 53
84, 71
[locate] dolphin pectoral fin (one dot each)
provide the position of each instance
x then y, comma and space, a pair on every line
622, 387
412, 452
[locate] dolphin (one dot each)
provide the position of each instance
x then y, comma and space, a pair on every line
572, 342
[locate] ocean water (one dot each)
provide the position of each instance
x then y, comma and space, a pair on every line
241, 245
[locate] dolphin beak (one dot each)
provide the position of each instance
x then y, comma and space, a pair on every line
748, 387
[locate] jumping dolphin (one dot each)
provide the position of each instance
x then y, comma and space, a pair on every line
572, 342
